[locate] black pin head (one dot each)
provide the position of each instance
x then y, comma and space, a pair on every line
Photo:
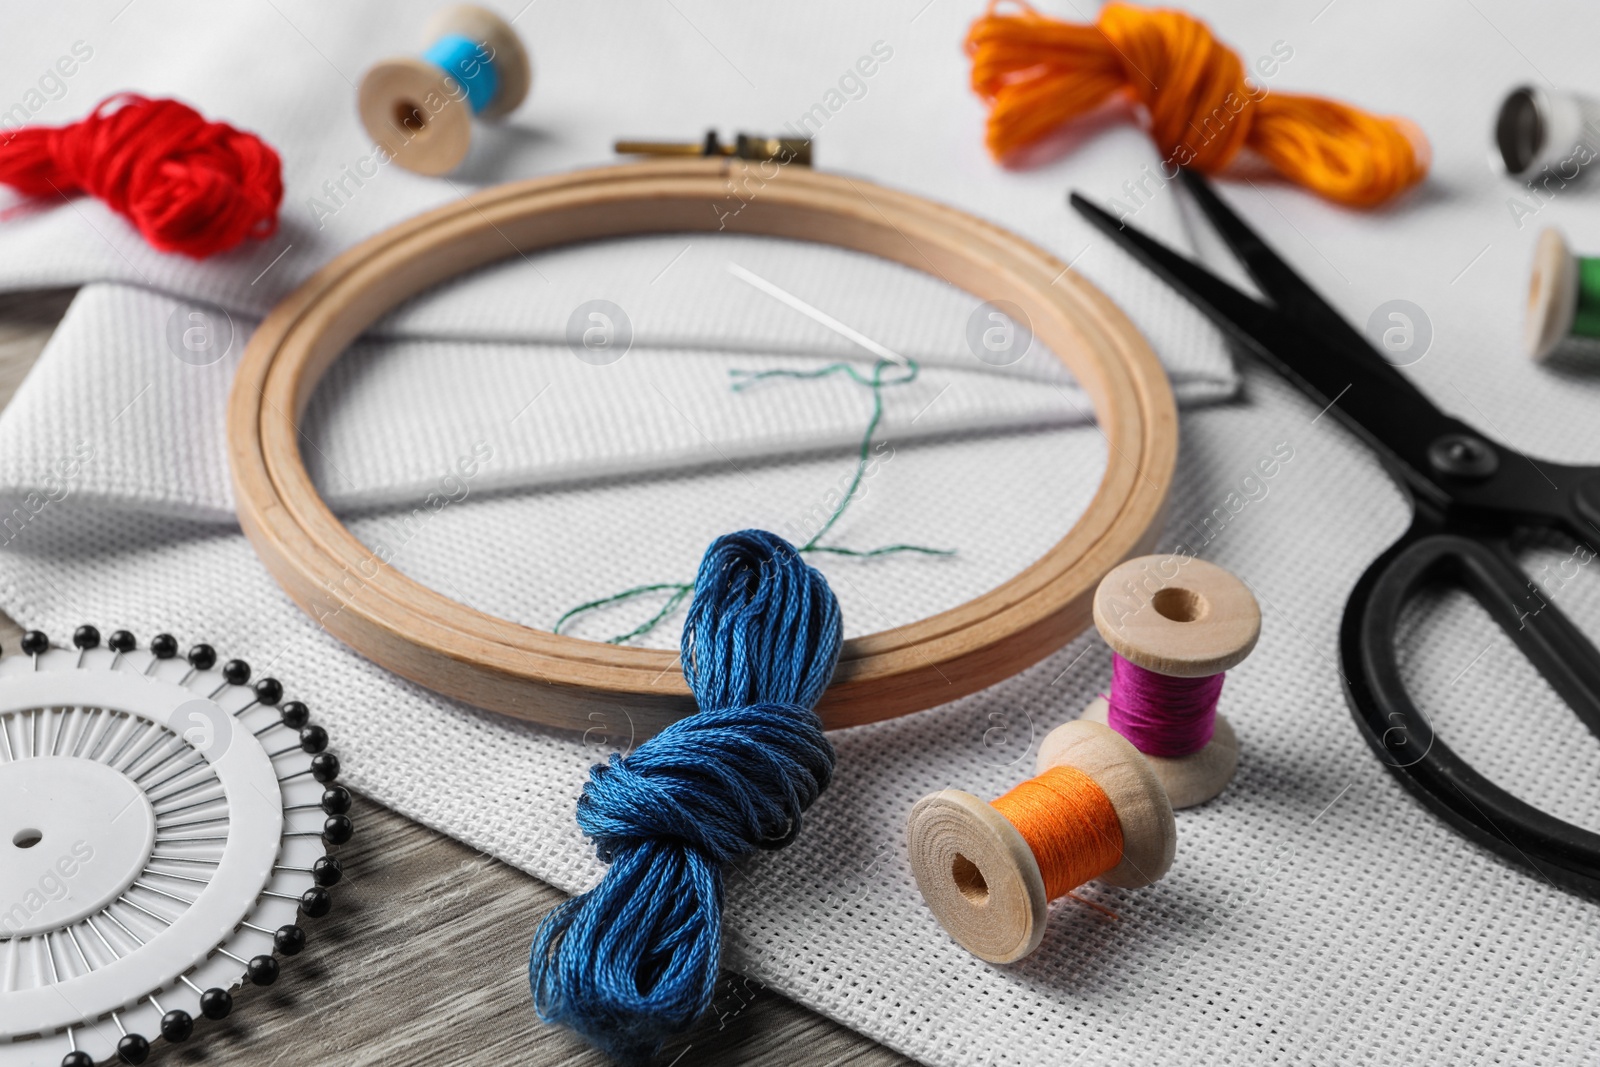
335, 800
313, 739
327, 870
202, 657
35, 642
164, 646
289, 940
121, 641
269, 691
336, 829
325, 767
316, 902
86, 637
133, 1049
263, 970
236, 672
294, 714
216, 1003
177, 1026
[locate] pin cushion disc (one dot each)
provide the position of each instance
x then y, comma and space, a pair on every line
162, 822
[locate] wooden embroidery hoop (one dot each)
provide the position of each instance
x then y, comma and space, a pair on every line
570, 683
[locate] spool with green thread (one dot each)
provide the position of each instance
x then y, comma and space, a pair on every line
1563, 296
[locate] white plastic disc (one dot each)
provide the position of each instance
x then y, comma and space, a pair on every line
158, 825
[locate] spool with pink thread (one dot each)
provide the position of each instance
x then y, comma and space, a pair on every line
1175, 624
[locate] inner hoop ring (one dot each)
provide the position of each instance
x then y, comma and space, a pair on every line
560, 681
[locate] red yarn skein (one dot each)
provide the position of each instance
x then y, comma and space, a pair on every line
188, 185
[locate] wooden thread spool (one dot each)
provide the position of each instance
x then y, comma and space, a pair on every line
419, 108
983, 879
1563, 297
1185, 618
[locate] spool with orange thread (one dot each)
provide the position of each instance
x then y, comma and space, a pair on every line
1039, 73
988, 871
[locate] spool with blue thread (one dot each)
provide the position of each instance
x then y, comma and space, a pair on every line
419, 109
1563, 296
635, 960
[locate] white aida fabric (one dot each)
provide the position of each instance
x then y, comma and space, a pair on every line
691, 321
601, 72
1315, 912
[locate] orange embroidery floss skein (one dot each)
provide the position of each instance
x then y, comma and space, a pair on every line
1094, 811
1038, 74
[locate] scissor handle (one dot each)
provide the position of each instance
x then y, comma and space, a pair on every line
1403, 738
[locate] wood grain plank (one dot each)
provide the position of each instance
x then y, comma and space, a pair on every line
424, 961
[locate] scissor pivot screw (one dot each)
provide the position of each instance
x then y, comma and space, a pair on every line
1461, 455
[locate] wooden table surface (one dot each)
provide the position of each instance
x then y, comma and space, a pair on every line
424, 958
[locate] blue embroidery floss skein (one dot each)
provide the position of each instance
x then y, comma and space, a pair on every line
635, 960
419, 110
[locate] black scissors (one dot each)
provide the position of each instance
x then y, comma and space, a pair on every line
1473, 497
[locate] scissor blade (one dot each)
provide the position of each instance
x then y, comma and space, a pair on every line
1287, 290
1241, 317
1365, 393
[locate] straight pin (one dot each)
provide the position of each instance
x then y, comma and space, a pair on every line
180, 840
163, 762
106, 911
89, 922
124, 899
178, 774
114, 761
177, 877
151, 747
187, 807
50, 957
55, 746
87, 966
160, 893
192, 822
180, 792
